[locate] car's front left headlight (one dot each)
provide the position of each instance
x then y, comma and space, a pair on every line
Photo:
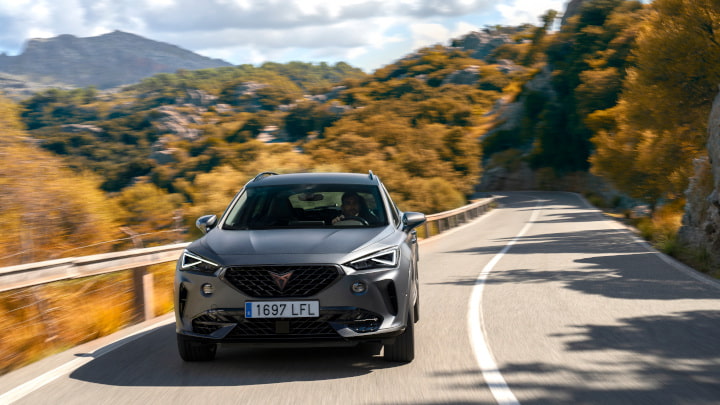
192, 262
381, 259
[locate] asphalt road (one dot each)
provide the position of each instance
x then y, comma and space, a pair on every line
541, 301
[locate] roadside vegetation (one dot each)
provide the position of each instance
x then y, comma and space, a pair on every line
51, 318
627, 100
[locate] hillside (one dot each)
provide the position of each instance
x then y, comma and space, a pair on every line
186, 142
105, 61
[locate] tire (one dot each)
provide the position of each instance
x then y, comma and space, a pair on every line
416, 307
191, 350
416, 311
403, 348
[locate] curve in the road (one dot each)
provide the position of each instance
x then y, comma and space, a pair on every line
490, 371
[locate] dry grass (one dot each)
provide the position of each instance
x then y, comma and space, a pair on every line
661, 230
47, 319
662, 227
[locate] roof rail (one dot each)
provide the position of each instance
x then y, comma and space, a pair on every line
370, 173
263, 175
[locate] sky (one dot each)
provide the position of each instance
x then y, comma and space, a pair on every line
364, 33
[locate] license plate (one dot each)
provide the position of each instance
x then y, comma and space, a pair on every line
282, 309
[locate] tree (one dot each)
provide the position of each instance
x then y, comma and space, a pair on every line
662, 115
150, 212
539, 33
308, 117
586, 77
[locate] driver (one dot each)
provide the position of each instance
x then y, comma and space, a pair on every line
351, 206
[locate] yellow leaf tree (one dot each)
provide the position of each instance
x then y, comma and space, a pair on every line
661, 119
47, 211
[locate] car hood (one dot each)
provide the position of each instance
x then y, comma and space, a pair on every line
229, 246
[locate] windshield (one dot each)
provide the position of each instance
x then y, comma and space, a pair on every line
307, 206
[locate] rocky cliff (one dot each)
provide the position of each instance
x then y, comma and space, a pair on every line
701, 223
572, 9
104, 61
482, 43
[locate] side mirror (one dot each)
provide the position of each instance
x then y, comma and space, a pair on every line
206, 222
412, 219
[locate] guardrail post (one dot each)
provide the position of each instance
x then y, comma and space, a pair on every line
144, 297
143, 294
51, 330
148, 296
139, 274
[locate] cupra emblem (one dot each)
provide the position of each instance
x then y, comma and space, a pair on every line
281, 279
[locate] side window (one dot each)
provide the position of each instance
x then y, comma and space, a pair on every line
391, 205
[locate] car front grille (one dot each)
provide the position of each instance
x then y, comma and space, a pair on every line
266, 329
205, 324
282, 281
283, 328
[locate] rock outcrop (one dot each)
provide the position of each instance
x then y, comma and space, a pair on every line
509, 115
467, 76
171, 120
572, 9
482, 43
104, 61
701, 222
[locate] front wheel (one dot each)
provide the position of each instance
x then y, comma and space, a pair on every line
416, 307
403, 349
191, 350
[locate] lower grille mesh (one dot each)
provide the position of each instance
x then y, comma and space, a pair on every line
323, 327
269, 328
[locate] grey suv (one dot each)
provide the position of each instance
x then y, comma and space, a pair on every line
318, 259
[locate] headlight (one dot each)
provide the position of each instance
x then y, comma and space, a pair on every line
383, 258
192, 262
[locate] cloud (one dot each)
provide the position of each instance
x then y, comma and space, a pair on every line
444, 8
428, 34
245, 31
516, 12
349, 34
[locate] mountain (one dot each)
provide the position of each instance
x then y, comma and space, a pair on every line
105, 61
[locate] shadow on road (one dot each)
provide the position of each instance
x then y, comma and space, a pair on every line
614, 265
612, 277
674, 359
153, 361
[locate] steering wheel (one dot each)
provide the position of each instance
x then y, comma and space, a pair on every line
353, 218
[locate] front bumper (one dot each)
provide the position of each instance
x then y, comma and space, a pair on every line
345, 317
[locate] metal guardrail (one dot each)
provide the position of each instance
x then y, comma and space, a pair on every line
446, 220
32, 274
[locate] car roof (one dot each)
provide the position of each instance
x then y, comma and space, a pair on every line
271, 179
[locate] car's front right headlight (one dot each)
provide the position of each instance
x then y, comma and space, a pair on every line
382, 259
192, 262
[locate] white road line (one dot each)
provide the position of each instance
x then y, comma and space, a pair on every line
38, 382
476, 326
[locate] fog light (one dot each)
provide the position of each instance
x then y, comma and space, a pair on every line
207, 289
359, 287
